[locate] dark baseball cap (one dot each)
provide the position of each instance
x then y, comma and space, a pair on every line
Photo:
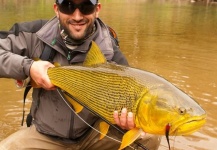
94, 2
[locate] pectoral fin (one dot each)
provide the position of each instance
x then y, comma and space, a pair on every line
78, 108
103, 128
130, 137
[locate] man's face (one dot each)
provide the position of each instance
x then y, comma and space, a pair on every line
77, 24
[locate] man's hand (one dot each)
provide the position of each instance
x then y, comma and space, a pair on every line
38, 73
125, 120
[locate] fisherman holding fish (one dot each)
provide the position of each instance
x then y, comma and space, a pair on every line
66, 38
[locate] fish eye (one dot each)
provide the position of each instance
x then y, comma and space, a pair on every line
182, 111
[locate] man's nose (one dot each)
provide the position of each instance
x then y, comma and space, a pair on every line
77, 15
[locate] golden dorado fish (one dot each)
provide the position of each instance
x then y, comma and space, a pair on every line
158, 106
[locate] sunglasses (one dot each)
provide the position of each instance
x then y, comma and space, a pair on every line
68, 7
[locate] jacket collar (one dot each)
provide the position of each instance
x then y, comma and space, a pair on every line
50, 34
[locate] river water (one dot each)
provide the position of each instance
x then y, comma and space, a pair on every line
175, 39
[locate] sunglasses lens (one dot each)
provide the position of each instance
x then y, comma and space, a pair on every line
85, 8
66, 8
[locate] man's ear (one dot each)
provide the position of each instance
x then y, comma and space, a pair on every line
56, 10
98, 8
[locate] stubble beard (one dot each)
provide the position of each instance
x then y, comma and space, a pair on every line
76, 36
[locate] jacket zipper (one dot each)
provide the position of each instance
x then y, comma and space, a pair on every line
69, 55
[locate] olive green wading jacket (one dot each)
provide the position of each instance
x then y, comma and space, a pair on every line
27, 40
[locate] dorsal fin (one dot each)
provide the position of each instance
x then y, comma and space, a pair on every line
94, 56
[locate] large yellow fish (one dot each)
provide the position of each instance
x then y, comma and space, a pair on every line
158, 106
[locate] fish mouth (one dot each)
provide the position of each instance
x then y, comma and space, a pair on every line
189, 126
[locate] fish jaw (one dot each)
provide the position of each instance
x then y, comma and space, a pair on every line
154, 114
188, 126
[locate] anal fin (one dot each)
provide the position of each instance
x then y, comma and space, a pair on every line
129, 137
103, 128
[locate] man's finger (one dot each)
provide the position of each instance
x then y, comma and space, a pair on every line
116, 118
130, 120
123, 118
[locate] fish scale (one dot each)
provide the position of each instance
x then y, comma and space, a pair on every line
101, 90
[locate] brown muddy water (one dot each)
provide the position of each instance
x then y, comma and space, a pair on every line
175, 39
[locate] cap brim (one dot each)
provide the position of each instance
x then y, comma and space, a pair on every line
94, 2
60, 1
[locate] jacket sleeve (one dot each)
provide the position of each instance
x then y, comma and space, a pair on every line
13, 62
15, 49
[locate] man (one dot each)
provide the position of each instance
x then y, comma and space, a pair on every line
69, 34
